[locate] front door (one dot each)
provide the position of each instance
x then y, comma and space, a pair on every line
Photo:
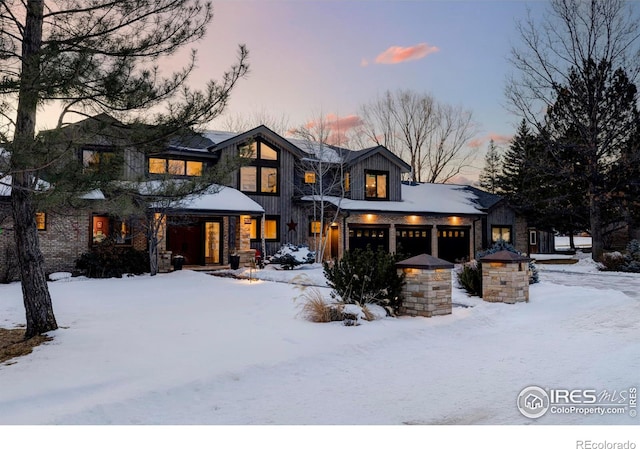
185, 240
212, 242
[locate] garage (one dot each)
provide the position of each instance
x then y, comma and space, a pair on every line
413, 240
374, 235
453, 243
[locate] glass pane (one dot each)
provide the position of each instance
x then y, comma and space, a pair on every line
270, 229
194, 168
269, 180
90, 158
382, 186
100, 229
253, 230
176, 167
347, 182
310, 177
248, 179
371, 186
41, 221
212, 243
250, 151
157, 165
495, 234
506, 234
268, 153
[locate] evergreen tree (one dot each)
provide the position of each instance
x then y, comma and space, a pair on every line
91, 57
491, 171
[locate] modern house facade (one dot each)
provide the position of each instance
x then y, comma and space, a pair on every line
288, 191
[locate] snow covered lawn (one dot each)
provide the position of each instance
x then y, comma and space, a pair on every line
190, 348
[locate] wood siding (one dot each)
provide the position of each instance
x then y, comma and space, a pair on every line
376, 162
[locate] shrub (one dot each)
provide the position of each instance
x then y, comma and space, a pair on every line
629, 262
107, 260
290, 256
366, 277
470, 278
9, 272
469, 275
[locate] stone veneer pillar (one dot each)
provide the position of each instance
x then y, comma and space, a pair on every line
427, 289
505, 277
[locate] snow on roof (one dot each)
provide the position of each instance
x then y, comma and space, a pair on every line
5, 185
216, 198
420, 198
219, 136
220, 198
320, 151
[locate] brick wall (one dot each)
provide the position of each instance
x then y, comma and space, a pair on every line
66, 237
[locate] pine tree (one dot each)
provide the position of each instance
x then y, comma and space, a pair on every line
491, 171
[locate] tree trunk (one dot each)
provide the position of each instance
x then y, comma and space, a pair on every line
595, 215
35, 292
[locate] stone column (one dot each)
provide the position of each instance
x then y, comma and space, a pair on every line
505, 277
427, 289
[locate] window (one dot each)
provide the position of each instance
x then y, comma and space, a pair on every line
533, 238
94, 160
347, 182
262, 175
500, 233
104, 227
376, 185
271, 228
41, 221
177, 167
314, 227
309, 177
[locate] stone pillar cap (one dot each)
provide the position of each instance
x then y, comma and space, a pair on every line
505, 256
424, 261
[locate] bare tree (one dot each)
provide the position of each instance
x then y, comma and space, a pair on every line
567, 66
430, 135
325, 164
89, 57
238, 123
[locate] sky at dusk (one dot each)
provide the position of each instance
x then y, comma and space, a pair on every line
311, 58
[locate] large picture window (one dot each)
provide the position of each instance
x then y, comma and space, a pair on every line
104, 227
263, 174
376, 185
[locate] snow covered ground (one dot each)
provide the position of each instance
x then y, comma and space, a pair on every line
191, 348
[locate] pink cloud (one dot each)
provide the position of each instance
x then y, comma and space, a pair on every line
336, 128
396, 55
498, 139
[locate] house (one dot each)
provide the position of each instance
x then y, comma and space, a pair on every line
289, 191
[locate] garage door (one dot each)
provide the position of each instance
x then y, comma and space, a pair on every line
413, 240
375, 236
453, 243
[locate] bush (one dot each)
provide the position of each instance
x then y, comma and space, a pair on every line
9, 271
629, 262
366, 277
106, 260
470, 278
290, 256
470, 274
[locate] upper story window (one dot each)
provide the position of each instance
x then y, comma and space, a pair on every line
176, 167
376, 185
347, 182
262, 175
95, 160
501, 233
41, 221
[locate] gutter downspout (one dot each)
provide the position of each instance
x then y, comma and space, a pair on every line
344, 231
474, 236
264, 244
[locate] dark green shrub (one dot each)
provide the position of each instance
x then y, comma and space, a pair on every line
107, 260
366, 277
469, 275
9, 271
628, 262
470, 278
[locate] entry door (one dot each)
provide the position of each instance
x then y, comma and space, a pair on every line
212, 242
